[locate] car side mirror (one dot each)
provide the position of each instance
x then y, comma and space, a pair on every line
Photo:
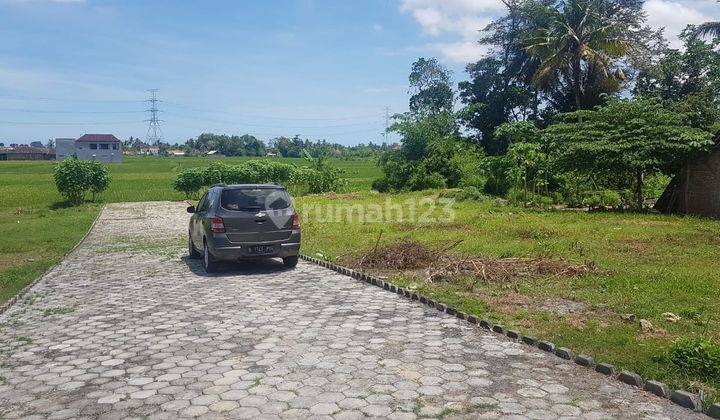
191, 209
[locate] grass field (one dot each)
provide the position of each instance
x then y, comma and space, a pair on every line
646, 264
37, 229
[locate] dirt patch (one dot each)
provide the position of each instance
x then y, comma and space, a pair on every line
400, 256
505, 269
439, 265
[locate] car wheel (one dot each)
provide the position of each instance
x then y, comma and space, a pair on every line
211, 266
290, 262
192, 252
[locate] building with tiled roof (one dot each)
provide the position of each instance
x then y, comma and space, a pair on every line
101, 147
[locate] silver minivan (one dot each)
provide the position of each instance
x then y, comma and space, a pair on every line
242, 222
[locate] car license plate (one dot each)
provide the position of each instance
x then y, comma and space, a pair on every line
261, 249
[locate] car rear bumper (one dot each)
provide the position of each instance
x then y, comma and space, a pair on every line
224, 250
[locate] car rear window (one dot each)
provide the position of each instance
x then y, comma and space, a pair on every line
254, 199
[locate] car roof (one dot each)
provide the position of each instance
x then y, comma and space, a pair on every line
239, 186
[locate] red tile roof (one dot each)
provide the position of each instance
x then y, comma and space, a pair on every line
97, 137
25, 149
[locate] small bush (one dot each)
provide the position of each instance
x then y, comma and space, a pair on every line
74, 178
697, 357
99, 177
189, 181
466, 194
380, 185
425, 181
324, 179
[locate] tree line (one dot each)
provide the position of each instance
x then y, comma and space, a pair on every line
578, 101
249, 145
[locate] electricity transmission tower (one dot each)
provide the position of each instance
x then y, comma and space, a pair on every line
154, 133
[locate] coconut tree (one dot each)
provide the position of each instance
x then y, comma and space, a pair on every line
711, 29
577, 44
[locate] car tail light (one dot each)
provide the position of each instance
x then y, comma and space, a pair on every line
296, 221
218, 226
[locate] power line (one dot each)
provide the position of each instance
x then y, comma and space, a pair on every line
47, 111
215, 120
44, 98
66, 123
154, 133
266, 117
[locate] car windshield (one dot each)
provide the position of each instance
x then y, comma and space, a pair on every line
254, 199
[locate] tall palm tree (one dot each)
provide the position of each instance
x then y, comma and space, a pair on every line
577, 39
711, 29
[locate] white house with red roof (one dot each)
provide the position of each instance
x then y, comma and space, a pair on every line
101, 147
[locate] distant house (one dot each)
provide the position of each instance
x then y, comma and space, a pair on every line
101, 147
270, 154
214, 154
175, 153
26, 153
696, 189
150, 151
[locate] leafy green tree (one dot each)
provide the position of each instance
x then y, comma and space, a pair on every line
522, 131
687, 80
189, 181
98, 177
625, 141
431, 87
494, 96
580, 45
71, 180
74, 178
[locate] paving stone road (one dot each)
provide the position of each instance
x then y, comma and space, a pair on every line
126, 326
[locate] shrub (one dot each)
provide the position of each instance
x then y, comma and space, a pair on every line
380, 185
610, 198
697, 356
424, 181
71, 180
327, 178
74, 178
99, 177
189, 181
519, 196
465, 194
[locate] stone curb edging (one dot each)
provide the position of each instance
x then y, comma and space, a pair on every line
30, 285
679, 397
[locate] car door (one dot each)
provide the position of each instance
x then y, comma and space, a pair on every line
196, 224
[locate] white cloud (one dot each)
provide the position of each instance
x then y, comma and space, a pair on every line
457, 22
454, 7
460, 52
377, 27
673, 16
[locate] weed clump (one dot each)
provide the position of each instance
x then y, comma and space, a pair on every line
439, 265
698, 357
399, 256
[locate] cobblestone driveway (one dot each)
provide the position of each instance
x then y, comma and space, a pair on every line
126, 326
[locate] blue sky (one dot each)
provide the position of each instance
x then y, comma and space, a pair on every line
321, 69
